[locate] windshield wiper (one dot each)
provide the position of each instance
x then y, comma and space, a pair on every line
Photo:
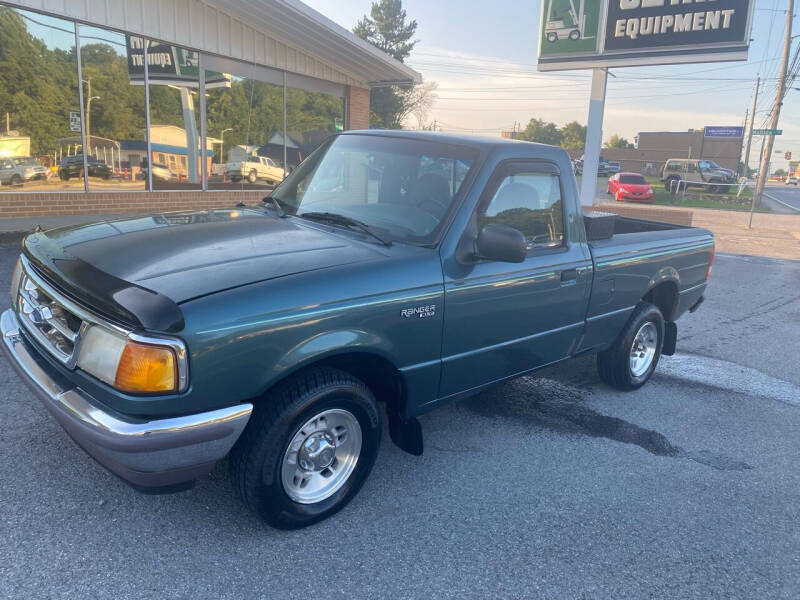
338, 219
276, 203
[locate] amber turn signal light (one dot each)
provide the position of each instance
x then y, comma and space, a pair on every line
144, 368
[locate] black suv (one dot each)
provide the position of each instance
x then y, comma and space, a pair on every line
72, 166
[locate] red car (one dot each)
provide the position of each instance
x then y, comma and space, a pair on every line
630, 186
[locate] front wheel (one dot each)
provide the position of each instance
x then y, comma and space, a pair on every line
629, 363
307, 449
251, 177
16, 180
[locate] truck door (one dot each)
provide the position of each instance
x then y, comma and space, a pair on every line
502, 319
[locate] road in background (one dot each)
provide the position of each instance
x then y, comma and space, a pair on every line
553, 486
786, 198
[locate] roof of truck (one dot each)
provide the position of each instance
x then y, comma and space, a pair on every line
446, 138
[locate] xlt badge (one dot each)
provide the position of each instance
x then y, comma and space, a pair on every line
421, 312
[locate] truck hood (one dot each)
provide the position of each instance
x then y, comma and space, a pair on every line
186, 255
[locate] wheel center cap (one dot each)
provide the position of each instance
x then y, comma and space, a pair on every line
317, 452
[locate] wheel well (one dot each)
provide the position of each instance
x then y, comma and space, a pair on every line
665, 297
380, 375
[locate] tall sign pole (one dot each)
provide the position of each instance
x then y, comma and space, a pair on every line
776, 110
752, 124
594, 136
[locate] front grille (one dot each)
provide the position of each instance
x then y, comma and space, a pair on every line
48, 320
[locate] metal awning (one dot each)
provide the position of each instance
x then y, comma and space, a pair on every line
299, 25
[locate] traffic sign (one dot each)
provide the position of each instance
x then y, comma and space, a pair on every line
767, 131
74, 120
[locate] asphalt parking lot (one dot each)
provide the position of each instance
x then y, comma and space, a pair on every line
553, 486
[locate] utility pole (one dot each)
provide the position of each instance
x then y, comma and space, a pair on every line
752, 123
776, 110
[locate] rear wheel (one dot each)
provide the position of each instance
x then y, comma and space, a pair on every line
307, 449
575, 34
630, 362
16, 180
251, 177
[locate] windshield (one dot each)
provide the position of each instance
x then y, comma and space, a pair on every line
708, 164
634, 179
403, 188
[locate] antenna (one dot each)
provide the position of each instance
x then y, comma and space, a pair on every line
249, 114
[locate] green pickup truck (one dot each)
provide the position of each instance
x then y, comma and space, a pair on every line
394, 269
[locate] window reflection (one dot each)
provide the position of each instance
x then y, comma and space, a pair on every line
39, 93
114, 112
174, 75
312, 117
245, 127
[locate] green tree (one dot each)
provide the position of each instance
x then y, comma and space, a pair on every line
615, 141
387, 27
573, 136
541, 132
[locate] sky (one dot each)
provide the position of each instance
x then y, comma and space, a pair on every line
483, 57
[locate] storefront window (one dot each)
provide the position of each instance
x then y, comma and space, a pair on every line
114, 111
39, 107
173, 73
244, 112
312, 117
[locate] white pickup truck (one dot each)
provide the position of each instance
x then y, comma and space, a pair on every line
254, 168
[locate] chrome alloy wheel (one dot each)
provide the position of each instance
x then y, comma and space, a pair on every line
321, 456
643, 350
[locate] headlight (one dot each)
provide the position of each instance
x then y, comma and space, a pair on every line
129, 365
649, 190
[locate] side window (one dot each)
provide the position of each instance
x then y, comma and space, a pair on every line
531, 203
691, 167
673, 166
6, 164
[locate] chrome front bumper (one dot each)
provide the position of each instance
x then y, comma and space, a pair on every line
147, 454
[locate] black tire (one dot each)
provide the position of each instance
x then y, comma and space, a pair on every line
16, 180
552, 37
614, 364
575, 34
671, 182
724, 189
252, 177
714, 189
257, 458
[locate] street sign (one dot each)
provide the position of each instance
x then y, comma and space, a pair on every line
724, 132
74, 120
583, 34
767, 131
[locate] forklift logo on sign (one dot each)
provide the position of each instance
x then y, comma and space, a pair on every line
570, 26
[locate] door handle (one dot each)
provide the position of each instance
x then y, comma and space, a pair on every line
569, 276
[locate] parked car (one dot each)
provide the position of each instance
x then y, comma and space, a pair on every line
72, 166
255, 168
791, 180
697, 173
32, 169
434, 267
604, 167
10, 173
160, 171
630, 186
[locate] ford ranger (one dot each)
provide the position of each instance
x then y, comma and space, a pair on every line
406, 269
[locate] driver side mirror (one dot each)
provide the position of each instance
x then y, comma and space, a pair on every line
501, 243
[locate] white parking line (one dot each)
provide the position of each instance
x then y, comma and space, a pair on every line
728, 376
